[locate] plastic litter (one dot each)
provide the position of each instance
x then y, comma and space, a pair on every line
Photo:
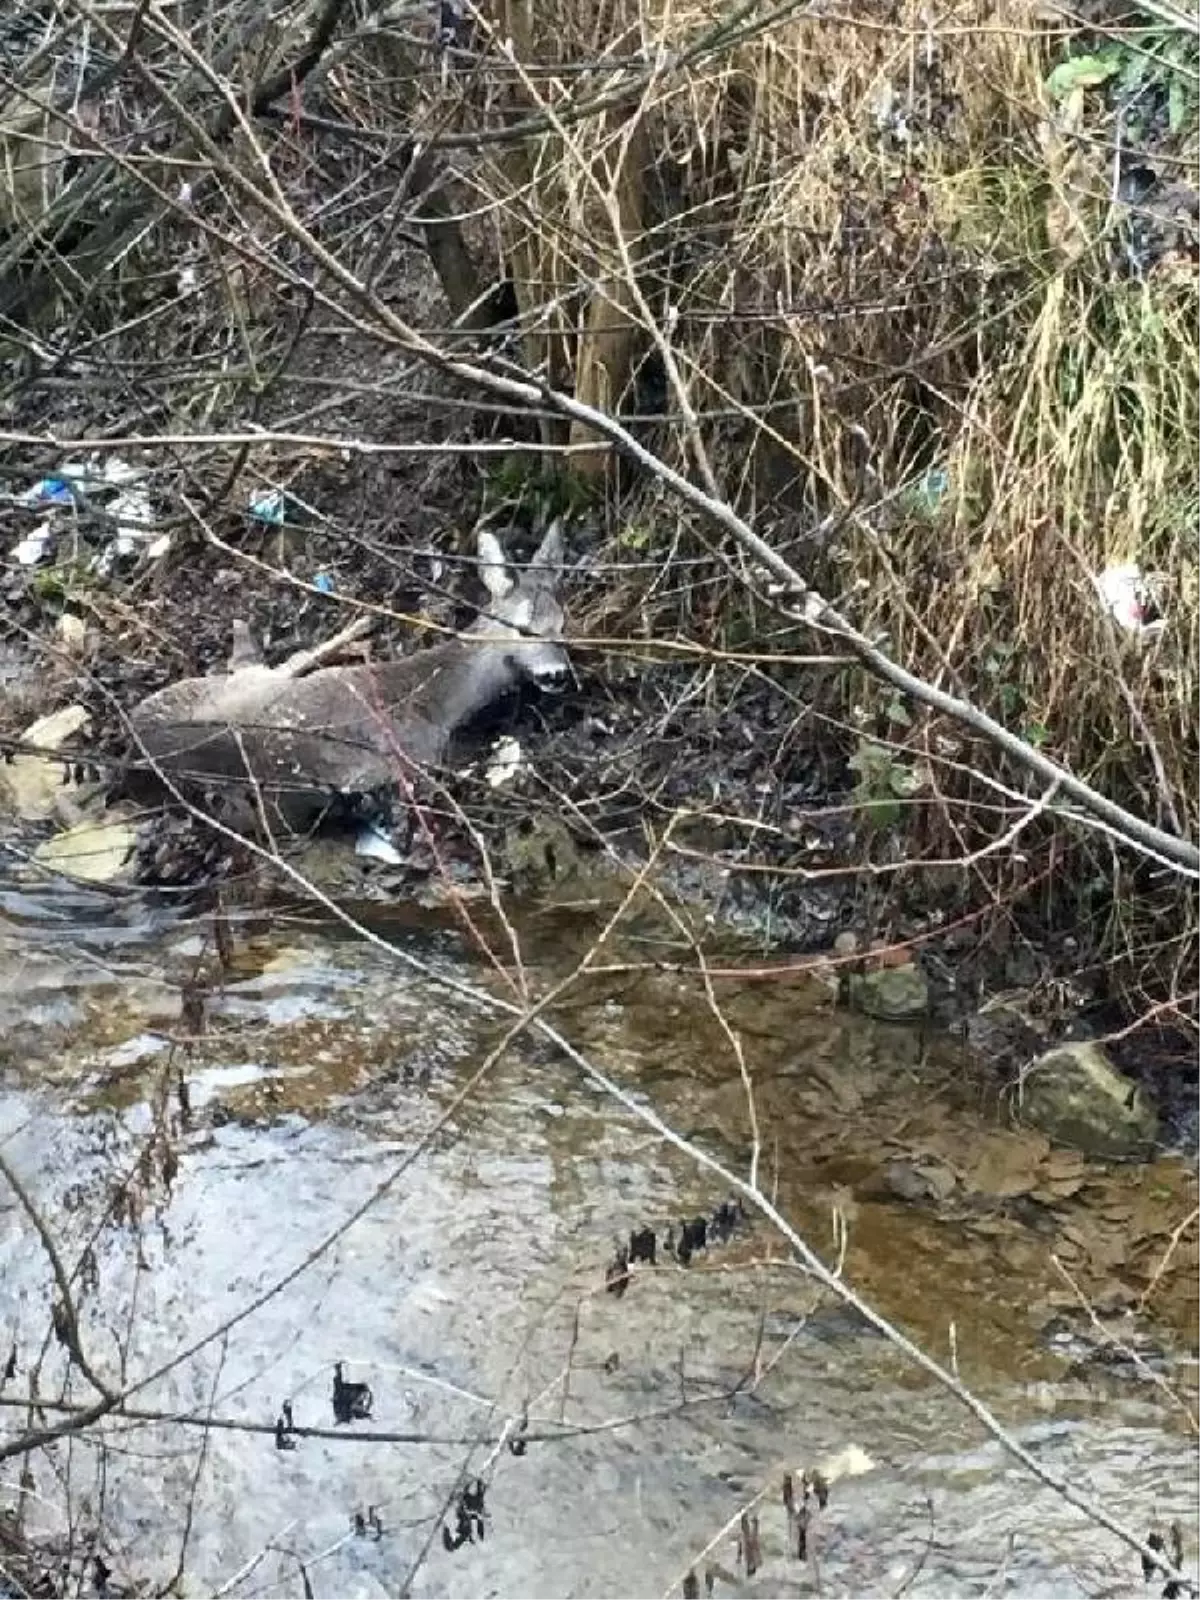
507, 760
33, 548
375, 845
269, 506
115, 471
324, 583
49, 492
110, 484
1132, 598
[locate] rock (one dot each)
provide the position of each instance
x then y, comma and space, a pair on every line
538, 851
893, 994
833, 971
32, 785
913, 1184
1077, 1097
94, 852
1004, 1032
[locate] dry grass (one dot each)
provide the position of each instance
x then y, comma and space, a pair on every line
880, 249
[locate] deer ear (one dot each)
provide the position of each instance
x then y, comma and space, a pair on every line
493, 568
546, 563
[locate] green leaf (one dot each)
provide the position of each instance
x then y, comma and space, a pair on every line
1010, 698
871, 762
1036, 734
903, 781
880, 813
1134, 68
1081, 72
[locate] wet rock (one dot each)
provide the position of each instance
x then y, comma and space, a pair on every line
1004, 1032
643, 1246
538, 851
1077, 1097
914, 1185
94, 852
32, 785
892, 994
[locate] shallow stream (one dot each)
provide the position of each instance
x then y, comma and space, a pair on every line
323, 1191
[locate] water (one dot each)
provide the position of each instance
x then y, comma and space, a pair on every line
331, 1194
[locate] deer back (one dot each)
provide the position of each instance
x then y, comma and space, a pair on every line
355, 729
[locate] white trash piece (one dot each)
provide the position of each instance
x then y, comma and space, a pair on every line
1132, 599
134, 517
32, 549
375, 845
507, 760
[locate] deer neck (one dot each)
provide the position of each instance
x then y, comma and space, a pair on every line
448, 684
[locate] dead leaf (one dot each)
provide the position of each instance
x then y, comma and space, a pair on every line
1050, 1193
1007, 1164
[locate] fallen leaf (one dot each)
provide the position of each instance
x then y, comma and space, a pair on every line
95, 852
1007, 1164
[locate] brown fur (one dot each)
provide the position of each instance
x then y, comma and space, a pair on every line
295, 743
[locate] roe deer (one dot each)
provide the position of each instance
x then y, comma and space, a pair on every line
296, 744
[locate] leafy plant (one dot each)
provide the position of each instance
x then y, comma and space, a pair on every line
1155, 63
883, 782
520, 481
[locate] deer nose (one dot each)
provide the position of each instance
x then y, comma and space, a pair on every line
551, 676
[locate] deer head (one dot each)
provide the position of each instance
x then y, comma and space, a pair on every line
524, 613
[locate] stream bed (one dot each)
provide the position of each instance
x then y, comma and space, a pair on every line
255, 1169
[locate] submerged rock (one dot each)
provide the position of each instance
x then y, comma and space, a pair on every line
891, 994
1077, 1097
538, 851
